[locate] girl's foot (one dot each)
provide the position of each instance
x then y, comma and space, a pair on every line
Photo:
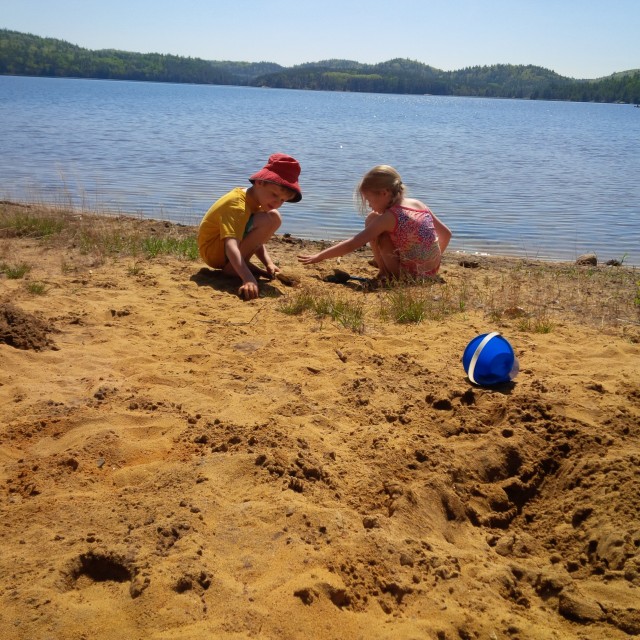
379, 282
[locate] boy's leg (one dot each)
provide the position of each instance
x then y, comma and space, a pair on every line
264, 225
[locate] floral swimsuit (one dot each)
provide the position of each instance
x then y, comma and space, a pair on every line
416, 241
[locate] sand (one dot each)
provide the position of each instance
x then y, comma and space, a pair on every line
176, 463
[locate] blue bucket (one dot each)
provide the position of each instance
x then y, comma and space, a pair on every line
489, 359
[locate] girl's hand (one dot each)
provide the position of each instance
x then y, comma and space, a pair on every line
309, 259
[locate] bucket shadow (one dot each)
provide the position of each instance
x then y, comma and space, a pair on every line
503, 388
215, 279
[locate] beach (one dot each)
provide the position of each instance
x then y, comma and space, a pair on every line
177, 463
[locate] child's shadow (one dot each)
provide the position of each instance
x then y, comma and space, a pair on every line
219, 281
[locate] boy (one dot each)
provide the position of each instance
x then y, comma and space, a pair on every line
239, 224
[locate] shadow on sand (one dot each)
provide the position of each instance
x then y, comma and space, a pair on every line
215, 279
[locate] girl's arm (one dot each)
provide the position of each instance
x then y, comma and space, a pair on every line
443, 232
383, 223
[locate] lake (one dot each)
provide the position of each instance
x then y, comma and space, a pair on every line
548, 180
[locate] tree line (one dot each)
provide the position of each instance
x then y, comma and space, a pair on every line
29, 55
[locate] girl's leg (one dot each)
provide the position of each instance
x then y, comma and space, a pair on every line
386, 257
384, 253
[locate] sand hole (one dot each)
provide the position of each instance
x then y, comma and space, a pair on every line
99, 567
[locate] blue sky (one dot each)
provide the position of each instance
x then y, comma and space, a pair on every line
576, 38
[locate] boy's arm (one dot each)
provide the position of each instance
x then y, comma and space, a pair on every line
263, 255
249, 288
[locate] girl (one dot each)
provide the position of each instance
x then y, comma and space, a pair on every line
406, 238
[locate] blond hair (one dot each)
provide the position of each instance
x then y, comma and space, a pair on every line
378, 179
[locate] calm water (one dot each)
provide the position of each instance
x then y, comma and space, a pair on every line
541, 179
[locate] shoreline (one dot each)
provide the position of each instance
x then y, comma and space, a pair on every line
461, 253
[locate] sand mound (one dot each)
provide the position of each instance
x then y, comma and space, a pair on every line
23, 330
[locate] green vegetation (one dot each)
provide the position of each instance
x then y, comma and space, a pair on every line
412, 303
108, 240
25, 54
29, 55
533, 297
181, 247
24, 224
100, 236
535, 325
37, 288
345, 310
496, 81
14, 271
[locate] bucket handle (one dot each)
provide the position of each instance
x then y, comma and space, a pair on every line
477, 352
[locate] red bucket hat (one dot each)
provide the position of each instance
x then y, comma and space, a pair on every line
283, 170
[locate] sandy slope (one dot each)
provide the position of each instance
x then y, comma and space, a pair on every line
176, 463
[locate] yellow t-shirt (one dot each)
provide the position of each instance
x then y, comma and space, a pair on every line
226, 218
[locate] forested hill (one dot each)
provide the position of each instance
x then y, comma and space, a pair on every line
26, 54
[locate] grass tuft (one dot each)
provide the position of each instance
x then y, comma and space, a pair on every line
101, 236
297, 303
186, 248
24, 223
36, 288
416, 302
15, 271
348, 312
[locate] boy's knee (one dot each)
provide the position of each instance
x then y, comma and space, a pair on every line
273, 219
265, 224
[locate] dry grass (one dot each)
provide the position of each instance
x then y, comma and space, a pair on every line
533, 295
543, 293
101, 236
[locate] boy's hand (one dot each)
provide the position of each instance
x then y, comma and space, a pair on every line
249, 290
272, 270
